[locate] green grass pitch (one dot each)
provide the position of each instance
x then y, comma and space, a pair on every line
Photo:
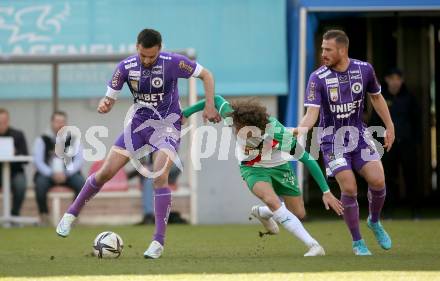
222, 252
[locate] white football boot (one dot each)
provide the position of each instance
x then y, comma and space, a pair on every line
154, 251
65, 225
315, 250
270, 224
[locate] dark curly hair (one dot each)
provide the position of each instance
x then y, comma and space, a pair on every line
249, 113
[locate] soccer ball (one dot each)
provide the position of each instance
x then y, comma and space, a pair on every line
107, 245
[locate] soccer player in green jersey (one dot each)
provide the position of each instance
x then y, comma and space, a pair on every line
264, 148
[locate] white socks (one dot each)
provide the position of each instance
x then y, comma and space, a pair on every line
292, 224
265, 212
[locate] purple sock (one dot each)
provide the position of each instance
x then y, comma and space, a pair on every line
376, 198
162, 208
351, 215
89, 190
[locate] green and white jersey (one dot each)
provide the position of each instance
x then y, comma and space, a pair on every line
269, 150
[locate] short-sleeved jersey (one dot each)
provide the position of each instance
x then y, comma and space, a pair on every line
276, 138
155, 85
340, 95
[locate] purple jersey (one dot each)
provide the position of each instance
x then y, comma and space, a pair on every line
155, 85
157, 121
340, 96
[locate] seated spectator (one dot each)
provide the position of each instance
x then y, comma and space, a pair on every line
147, 192
51, 170
147, 198
18, 178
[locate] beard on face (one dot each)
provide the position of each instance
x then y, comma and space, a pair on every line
331, 62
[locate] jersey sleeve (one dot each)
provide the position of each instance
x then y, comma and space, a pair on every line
184, 67
313, 92
286, 140
373, 86
115, 84
222, 106
315, 171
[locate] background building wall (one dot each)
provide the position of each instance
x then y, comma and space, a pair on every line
242, 42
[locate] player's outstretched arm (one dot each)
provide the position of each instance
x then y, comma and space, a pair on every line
330, 201
221, 105
307, 121
209, 113
314, 170
105, 104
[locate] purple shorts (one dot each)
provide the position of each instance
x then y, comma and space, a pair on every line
336, 160
151, 134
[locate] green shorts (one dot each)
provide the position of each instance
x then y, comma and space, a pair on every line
281, 178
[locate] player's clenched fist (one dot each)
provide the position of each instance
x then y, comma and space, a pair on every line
211, 114
105, 105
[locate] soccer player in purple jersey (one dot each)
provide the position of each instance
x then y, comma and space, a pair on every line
154, 126
336, 93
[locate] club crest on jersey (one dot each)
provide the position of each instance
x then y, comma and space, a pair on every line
157, 82
356, 87
334, 94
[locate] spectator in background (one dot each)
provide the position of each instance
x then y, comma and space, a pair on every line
18, 178
405, 112
174, 174
147, 190
51, 170
147, 201
147, 193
